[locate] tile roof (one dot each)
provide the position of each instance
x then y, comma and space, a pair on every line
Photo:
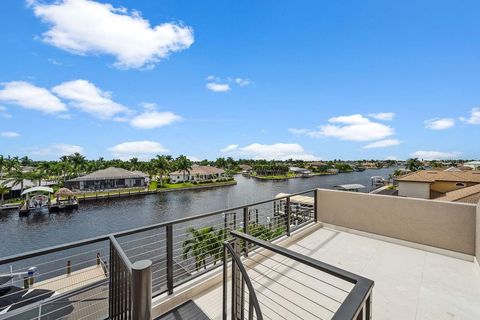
202, 170
468, 194
431, 176
110, 173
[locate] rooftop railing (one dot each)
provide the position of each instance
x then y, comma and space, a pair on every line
96, 278
277, 283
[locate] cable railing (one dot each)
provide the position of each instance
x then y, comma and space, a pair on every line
273, 282
94, 278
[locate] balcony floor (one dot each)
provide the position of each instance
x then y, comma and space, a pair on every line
409, 283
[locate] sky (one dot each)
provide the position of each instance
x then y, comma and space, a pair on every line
247, 79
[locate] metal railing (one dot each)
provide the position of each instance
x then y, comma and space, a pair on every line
179, 251
283, 284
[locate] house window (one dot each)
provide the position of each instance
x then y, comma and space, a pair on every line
460, 184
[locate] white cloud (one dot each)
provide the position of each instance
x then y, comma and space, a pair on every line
154, 119
298, 131
229, 148
9, 134
385, 116
85, 96
4, 113
350, 128
383, 143
57, 150
439, 124
352, 119
277, 151
436, 155
89, 27
218, 87
474, 117
140, 149
391, 158
242, 82
28, 96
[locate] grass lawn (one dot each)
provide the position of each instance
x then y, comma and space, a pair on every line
279, 177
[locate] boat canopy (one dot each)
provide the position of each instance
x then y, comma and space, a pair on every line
305, 200
37, 189
353, 186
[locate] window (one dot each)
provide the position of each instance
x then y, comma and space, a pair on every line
460, 184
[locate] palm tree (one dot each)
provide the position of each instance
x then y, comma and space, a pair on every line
3, 190
162, 166
2, 165
204, 242
413, 164
133, 163
78, 162
17, 177
183, 164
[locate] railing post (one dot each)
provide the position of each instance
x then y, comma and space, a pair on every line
245, 228
315, 205
169, 229
142, 290
238, 286
225, 281
287, 211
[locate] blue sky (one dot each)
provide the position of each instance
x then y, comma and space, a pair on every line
250, 79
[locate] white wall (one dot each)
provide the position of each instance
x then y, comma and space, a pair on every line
414, 189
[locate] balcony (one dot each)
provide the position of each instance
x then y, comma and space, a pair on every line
342, 255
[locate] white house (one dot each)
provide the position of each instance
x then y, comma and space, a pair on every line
197, 173
475, 165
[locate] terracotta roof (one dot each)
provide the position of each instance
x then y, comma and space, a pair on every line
469, 195
431, 176
110, 173
202, 170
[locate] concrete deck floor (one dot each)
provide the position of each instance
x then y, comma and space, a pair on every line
409, 283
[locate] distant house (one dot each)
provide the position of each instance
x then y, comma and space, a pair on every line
475, 165
245, 167
431, 184
300, 171
15, 190
110, 178
197, 173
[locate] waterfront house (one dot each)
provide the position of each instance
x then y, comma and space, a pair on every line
475, 165
431, 184
245, 168
110, 178
197, 173
300, 171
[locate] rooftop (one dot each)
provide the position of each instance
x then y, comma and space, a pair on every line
202, 170
110, 173
467, 195
409, 283
431, 176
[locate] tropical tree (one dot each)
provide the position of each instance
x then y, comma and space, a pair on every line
413, 164
204, 242
2, 165
17, 177
3, 190
134, 164
162, 166
78, 162
183, 164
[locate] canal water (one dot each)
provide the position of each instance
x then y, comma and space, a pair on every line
21, 234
